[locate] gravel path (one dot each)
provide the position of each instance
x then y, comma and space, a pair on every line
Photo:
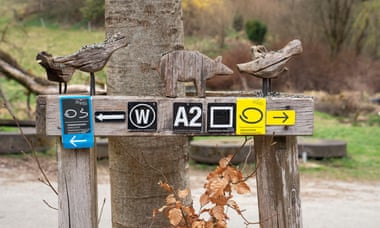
325, 203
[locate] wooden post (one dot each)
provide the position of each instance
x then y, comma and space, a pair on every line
77, 187
278, 181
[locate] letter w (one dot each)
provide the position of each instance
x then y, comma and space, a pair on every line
142, 116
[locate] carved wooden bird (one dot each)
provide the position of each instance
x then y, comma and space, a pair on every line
92, 58
56, 72
268, 65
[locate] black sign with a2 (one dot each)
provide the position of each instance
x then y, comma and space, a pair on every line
187, 117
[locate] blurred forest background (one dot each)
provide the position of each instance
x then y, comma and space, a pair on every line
340, 38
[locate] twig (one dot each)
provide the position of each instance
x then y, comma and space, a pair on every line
101, 211
154, 168
50, 206
246, 139
34, 155
147, 164
249, 153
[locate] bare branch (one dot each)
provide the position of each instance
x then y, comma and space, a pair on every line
34, 155
47, 204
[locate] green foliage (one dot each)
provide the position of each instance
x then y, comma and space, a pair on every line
363, 146
256, 31
62, 11
93, 10
238, 22
374, 120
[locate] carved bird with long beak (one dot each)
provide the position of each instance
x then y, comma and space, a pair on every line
92, 58
267, 65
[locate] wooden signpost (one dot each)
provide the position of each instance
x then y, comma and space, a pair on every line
275, 121
149, 116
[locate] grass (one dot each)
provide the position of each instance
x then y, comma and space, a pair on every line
363, 150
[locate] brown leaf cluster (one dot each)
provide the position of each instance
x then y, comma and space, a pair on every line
215, 199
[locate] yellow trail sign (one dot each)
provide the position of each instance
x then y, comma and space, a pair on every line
281, 117
250, 116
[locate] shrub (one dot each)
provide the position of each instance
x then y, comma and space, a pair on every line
256, 31
238, 22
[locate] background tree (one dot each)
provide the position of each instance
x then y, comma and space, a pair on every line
256, 31
93, 11
366, 39
137, 164
336, 20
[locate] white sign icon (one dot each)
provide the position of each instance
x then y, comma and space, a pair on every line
214, 110
181, 117
142, 116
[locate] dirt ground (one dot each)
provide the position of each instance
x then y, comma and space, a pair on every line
325, 203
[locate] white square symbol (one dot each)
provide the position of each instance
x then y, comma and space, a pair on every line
226, 112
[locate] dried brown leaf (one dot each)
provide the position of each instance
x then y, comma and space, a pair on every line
223, 162
155, 212
217, 185
198, 224
162, 208
219, 200
234, 205
221, 224
234, 174
165, 186
170, 199
242, 188
189, 211
204, 199
182, 194
209, 224
218, 213
175, 216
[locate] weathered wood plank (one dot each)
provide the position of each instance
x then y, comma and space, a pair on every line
49, 121
278, 181
77, 187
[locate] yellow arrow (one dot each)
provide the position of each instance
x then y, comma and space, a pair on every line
281, 117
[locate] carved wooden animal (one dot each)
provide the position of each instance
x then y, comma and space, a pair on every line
187, 66
92, 58
56, 72
268, 64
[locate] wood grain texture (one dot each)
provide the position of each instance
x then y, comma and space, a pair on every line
49, 122
190, 66
278, 181
77, 188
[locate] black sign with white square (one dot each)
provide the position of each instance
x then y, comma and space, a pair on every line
221, 117
187, 117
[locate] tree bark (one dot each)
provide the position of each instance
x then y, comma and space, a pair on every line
137, 164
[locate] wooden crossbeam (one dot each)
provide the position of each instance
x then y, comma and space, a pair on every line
131, 115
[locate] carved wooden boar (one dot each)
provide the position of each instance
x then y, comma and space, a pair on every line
187, 66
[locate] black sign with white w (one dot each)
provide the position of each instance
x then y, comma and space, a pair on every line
142, 116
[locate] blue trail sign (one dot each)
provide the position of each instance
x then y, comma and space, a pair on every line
76, 122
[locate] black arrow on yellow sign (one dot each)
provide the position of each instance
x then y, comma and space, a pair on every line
284, 116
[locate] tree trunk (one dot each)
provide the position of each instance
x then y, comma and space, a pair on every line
137, 164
